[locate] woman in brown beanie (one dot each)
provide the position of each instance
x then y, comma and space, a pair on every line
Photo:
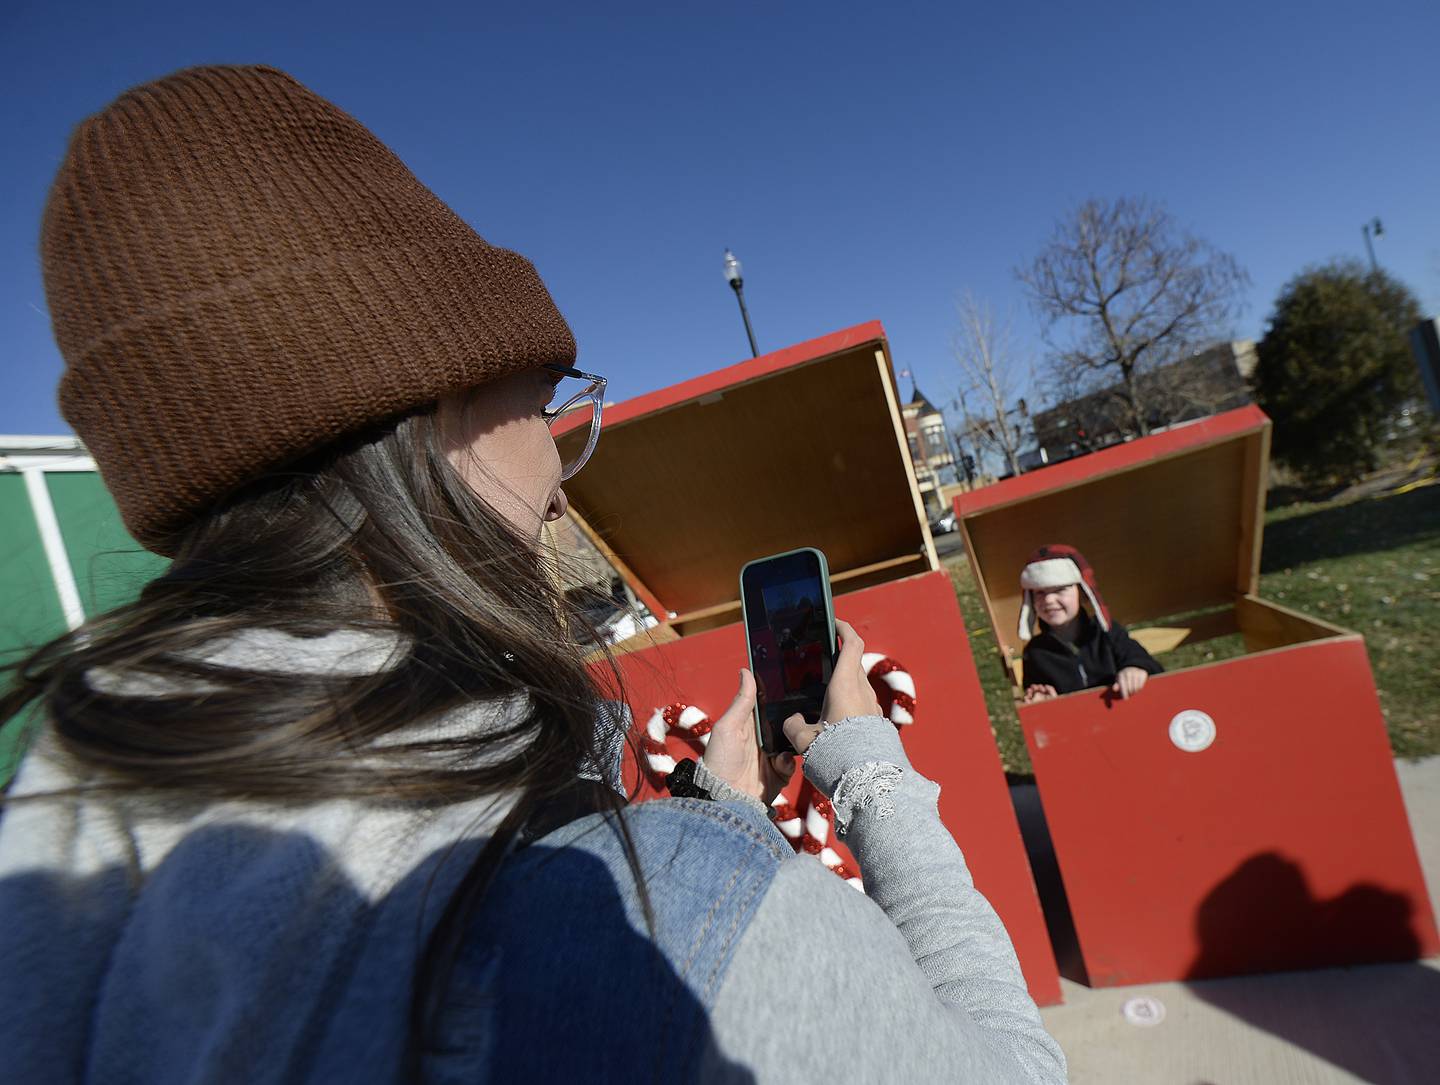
337, 797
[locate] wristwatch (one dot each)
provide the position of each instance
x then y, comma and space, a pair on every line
681, 782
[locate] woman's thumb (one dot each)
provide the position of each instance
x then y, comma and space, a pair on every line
745, 697
744, 703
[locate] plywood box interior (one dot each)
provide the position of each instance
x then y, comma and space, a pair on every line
1171, 524
804, 447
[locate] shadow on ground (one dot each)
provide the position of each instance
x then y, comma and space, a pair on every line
1354, 528
1379, 1023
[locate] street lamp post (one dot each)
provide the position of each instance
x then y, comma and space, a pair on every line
732, 276
1370, 228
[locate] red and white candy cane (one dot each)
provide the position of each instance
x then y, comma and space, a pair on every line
688, 719
810, 832
898, 683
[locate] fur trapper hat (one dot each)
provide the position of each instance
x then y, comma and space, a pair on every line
1056, 566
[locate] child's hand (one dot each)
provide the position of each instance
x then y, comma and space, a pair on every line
1037, 693
1130, 681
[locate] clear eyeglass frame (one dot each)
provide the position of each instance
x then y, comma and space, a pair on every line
594, 393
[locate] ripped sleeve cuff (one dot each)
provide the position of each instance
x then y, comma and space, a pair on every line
865, 787
848, 744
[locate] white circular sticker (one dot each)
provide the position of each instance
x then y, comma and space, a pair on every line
1192, 730
1144, 1011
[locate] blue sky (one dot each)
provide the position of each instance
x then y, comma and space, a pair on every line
863, 161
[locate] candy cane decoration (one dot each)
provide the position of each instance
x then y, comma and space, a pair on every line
688, 719
809, 833
897, 679
787, 820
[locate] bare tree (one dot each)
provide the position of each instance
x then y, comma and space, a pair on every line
1129, 290
982, 348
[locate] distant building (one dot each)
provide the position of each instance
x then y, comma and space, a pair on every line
1210, 381
930, 448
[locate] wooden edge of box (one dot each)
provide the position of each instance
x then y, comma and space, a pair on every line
843, 577
1252, 512
648, 597
646, 638
1158, 639
897, 420
1118, 459
739, 374
1011, 664
1268, 625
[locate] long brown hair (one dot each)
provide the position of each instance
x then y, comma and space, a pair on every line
383, 519
380, 534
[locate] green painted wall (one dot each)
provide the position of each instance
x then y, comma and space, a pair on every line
30, 611
109, 568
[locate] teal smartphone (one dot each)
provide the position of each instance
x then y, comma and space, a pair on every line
789, 620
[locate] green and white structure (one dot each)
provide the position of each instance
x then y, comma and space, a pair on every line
64, 554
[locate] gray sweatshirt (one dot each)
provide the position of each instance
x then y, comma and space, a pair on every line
145, 940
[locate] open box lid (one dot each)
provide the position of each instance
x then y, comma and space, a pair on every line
1171, 523
802, 447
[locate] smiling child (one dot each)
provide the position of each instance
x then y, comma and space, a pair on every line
1074, 649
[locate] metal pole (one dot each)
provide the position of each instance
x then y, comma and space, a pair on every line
739, 286
1371, 230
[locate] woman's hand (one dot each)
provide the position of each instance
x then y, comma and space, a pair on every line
848, 694
1130, 681
1039, 692
735, 756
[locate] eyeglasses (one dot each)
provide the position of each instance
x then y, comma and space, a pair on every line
576, 395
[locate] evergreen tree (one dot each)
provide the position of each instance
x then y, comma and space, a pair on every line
1333, 366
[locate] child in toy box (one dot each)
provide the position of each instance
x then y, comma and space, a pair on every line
1074, 650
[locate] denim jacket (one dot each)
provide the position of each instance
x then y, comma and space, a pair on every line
247, 941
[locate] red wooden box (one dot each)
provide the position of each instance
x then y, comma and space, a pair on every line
1240, 816
803, 447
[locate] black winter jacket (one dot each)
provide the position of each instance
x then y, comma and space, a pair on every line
1093, 660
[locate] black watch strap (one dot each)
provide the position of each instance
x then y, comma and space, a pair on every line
681, 782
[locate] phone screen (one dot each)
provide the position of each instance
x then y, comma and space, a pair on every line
791, 632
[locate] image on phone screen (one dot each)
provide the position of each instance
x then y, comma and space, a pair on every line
791, 634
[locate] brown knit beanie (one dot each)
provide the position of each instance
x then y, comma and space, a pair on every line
238, 273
